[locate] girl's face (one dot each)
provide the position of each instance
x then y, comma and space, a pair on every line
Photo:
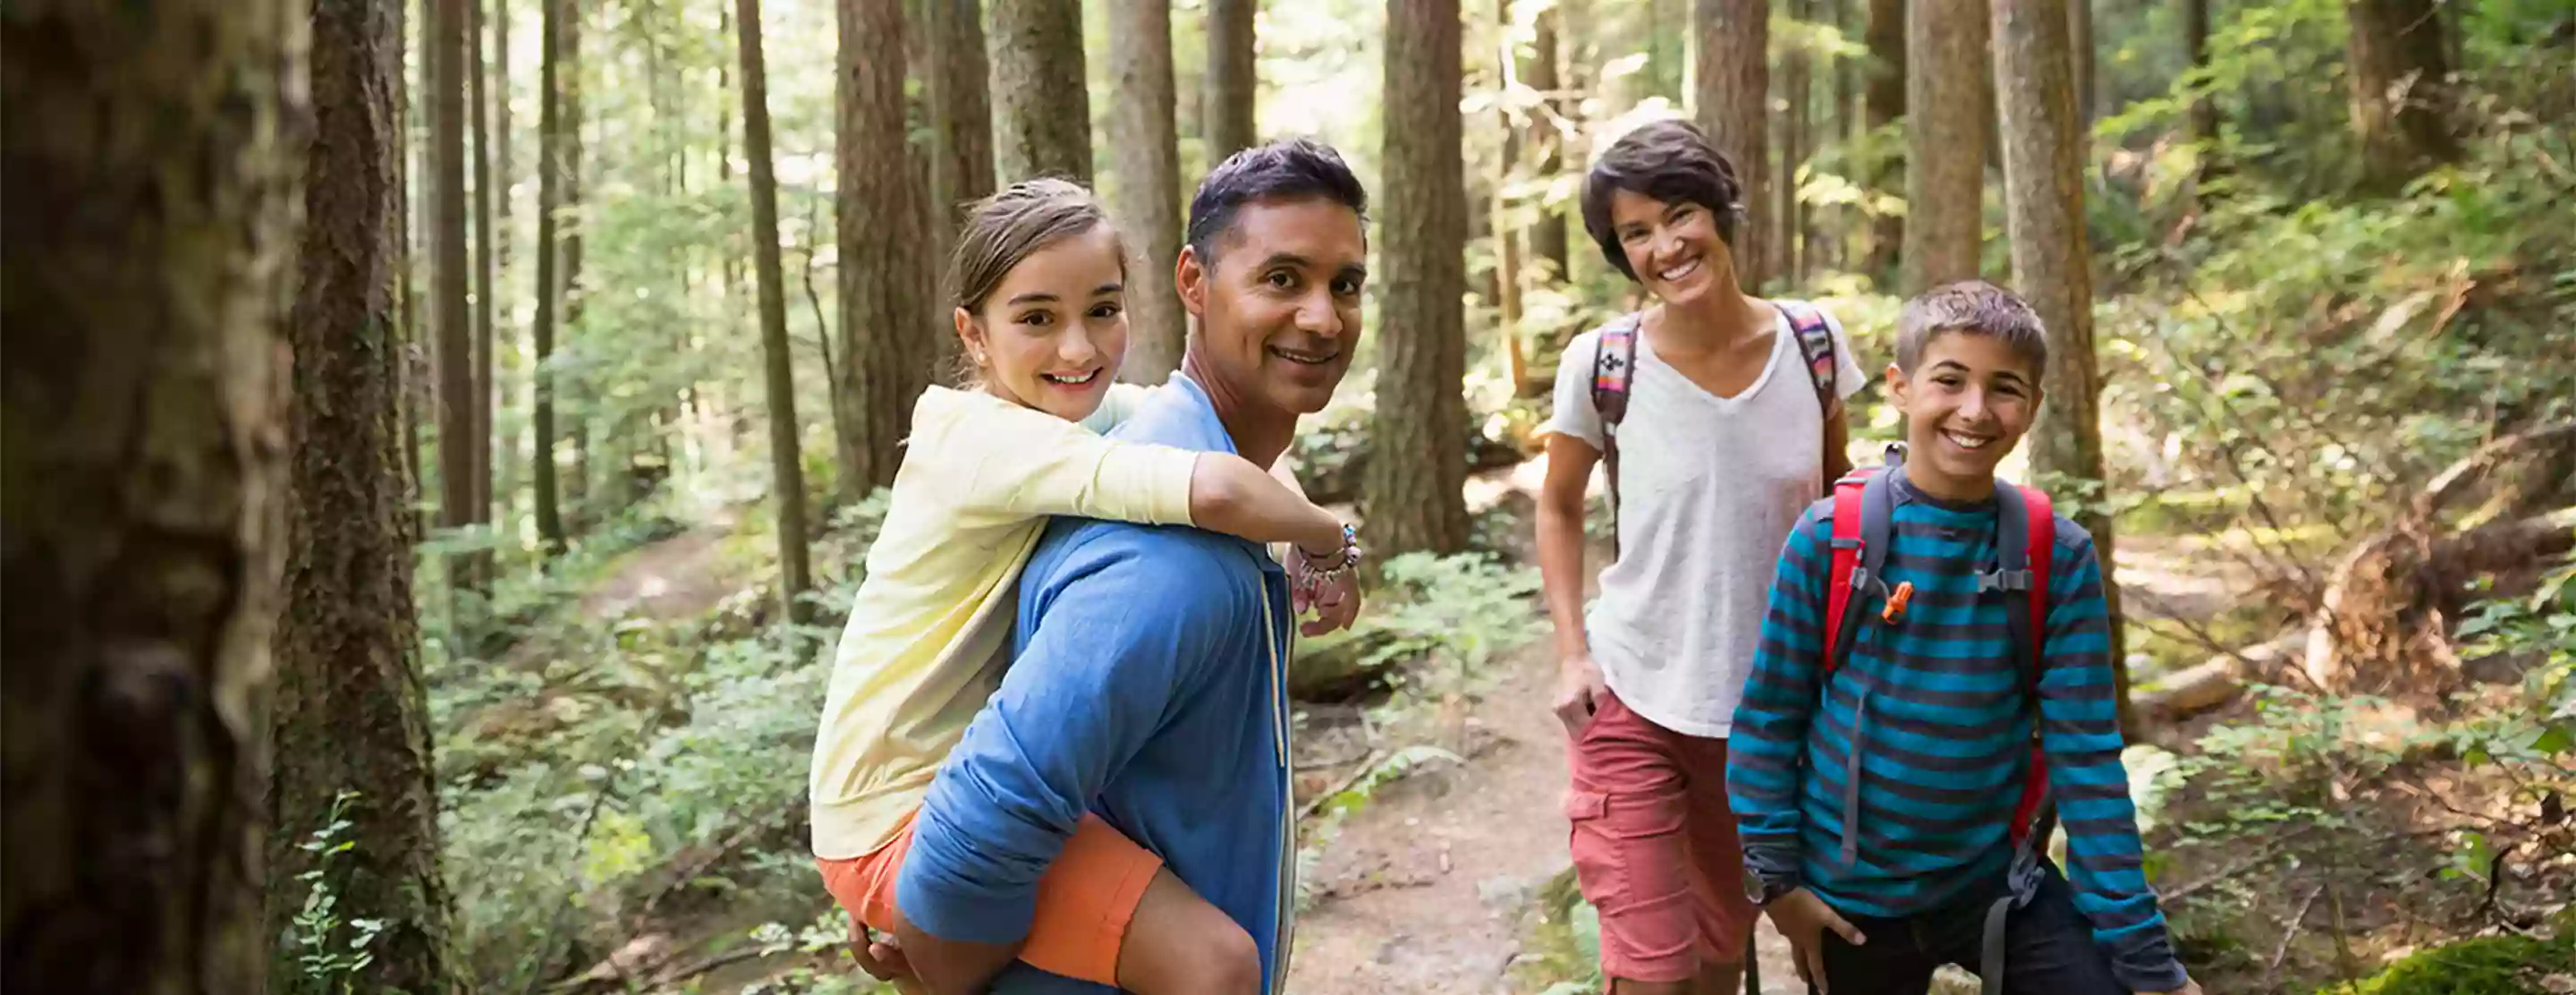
1673, 247
1052, 333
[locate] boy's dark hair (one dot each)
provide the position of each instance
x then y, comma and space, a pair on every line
1287, 169
1974, 307
1670, 161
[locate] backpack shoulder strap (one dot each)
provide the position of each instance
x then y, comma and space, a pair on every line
1815, 346
1614, 369
2025, 544
1864, 508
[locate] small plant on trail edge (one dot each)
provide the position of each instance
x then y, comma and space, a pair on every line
328, 965
824, 938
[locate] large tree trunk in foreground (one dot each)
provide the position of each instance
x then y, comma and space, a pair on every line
152, 154
550, 191
2401, 89
1733, 77
1949, 111
1415, 503
1041, 103
877, 286
2052, 264
786, 466
352, 713
1146, 200
1229, 111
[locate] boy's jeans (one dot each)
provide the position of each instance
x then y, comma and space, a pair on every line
2048, 946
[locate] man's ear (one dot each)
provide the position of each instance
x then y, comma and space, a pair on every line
1190, 278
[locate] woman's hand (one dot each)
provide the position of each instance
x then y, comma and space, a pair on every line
1580, 690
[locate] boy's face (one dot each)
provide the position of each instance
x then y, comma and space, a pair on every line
1966, 404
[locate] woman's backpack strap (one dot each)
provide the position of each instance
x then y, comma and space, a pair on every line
1815, 346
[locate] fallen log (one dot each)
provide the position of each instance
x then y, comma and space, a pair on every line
2216, 681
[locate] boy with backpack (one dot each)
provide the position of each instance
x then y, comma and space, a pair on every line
1720, 417
1933, 689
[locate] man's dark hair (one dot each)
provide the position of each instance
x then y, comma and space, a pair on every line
1287, 169
1670, 161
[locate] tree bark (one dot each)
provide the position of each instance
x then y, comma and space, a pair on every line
1041, 103
877, 310
1798, 94
550, 180
351, 711
2204, 111
152, 153
962, 121
504, 169
485, 239
1415, 503
1733, 70
1145, 146
2052, 265
786, 464
1547, 234
1883, 99
1945, 140
2401, 90
568, 132
2079, 28
450, 281
1233, 79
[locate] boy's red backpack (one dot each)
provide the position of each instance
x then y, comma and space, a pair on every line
1614, 370
2025, 545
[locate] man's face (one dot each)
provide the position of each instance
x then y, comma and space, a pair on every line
1279, 310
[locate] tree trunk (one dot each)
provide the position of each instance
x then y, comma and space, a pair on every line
2204, 111
450, 282
1883, 98
1233, 79
1547, 234
1146, 200
961, 137
1415, 503
550, 178
2079, 26
1507, 239
407, 316
786, 464
1733, 71
152, 153
1798, 95
485, 239
1946, 87
1041, 104
351, 711
2052, 264
568, 132
877, 310
504, 169
2401, 99
1844, 121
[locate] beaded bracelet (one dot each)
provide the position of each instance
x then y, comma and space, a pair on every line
1315, 578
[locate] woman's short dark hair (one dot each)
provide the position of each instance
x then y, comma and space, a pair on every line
1670, 161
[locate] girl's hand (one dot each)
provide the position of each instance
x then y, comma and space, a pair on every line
1335, 601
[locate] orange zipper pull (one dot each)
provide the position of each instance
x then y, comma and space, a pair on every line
1895, 609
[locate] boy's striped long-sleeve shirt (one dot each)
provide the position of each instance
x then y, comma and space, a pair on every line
1944, 737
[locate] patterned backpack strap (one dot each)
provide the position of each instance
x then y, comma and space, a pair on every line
1614, 371
1815, 345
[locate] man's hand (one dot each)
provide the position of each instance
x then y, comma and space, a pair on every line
1803, 919
1580, 689
883, 960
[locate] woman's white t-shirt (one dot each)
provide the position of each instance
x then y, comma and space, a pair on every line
1709, 487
